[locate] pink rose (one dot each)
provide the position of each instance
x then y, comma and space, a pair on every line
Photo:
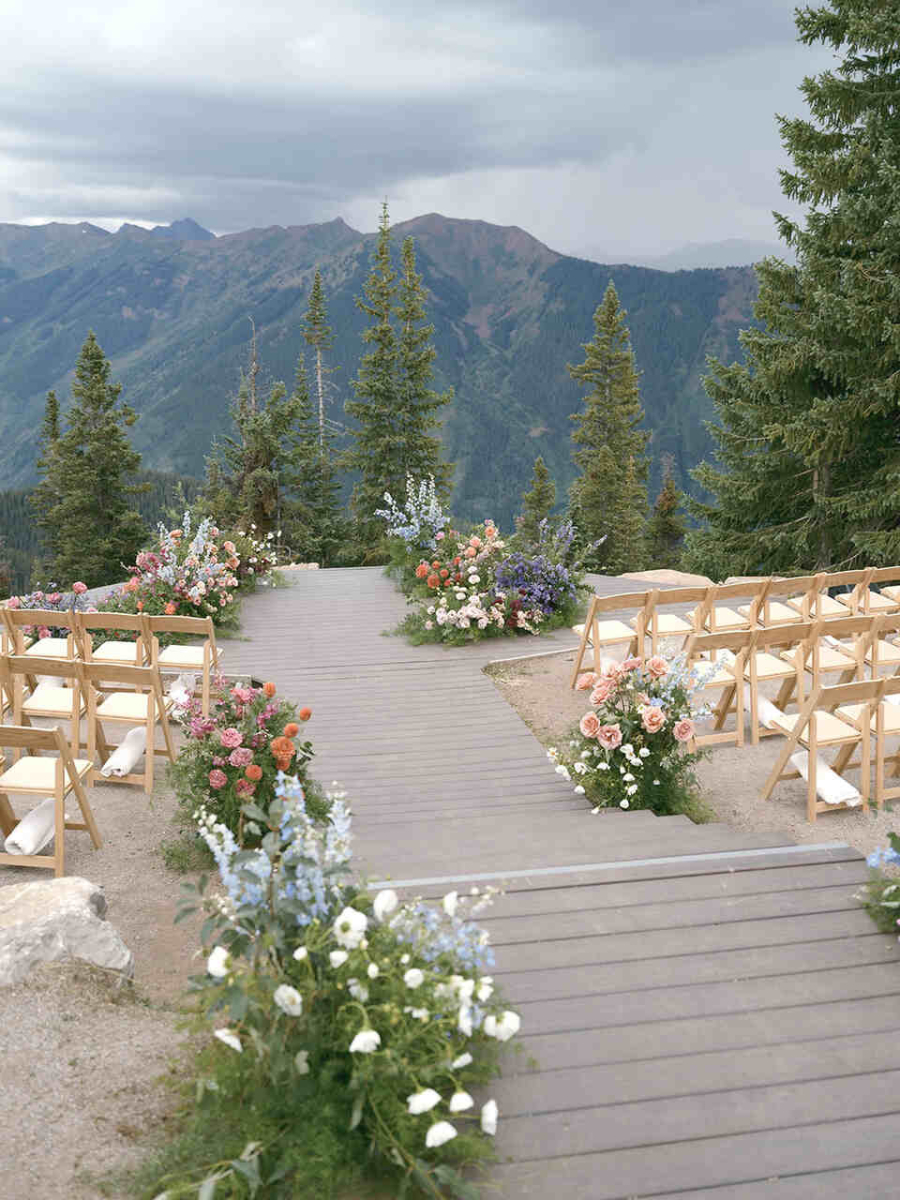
603, 691
609, 736
54, 598
242, 757
589, 725
476, 542
244, 695
657, 666
683, 730
78, 587
470, 552
244, 787
14, 602
231, 738
217, 779
643, 700
586, 681
630, 664
439, 536
653, 719
43, 632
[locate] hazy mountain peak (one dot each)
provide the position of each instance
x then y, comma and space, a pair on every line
185, 230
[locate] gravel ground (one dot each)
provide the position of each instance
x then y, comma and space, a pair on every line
731, 778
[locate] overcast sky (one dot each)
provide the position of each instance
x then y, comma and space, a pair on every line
610, 126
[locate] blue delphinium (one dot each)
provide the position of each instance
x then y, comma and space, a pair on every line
540, 582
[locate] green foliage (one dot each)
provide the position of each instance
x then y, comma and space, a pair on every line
808, 471
537, 505
881, 895
318, 334
608, 500
667, 527
83, 501
186, 854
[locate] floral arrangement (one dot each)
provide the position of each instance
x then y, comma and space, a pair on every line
421, 523
52, 600
257, 557
235, 754
376, 1010
632, 748
881, 896
539, 582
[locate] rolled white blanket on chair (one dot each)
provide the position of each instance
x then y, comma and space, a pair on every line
766, 710
126, 754
33, 832
181, 690
831, 788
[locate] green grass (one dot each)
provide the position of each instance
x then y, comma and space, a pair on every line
186, 854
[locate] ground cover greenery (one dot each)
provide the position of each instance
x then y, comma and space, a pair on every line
881, 896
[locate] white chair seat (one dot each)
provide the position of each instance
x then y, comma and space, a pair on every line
117, 652
775, 613
666, 623
49, 647
187, 656
830, 659
870, 602
129, 706
769, 667
32, 773
607, 631
887, 653
722, 678
830, 730
822, 605
891, 716
726, 619
49, 700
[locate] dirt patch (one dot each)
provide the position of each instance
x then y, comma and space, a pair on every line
731, 778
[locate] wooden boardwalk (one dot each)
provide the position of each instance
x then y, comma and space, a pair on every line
712, 1014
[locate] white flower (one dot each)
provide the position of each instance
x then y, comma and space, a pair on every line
229, 1038
503, 1027
442, 1132
603, 766
450, 902
372, 970
580, 768
489, 1116
385, 903
585, 754
366, 1041
460, 1101
623, 804
421, 1102
579, 791
485, 990
301, 1062
464, 1021
629, 791
644, 752
474, 579
628, 749
417, 1014
219, 962
629, 778
301, 953
404, 959
413, 978
288, 1000
350, 927
337, 958
564, 771
462, 1061
656, 783
358, 990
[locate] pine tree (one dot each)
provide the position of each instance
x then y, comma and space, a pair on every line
808, 472
45, 496
667, 528
315, 526
395, 408
317, 332
95, 529
536, 506
610, 495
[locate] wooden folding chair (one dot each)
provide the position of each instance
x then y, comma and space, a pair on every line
816, 727
717, 613
724, 656
761, 665
599, 634
19, 620
863, 599
823, 653
129, 651
144, 705
657, 623
770, 607
35, 774
51, 700
202, 659
886, 724
815, 602
883, 576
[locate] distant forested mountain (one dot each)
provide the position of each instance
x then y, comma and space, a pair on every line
170, 308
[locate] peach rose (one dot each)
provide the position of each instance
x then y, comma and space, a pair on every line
643, 700
603, 691
609, 736
683, 730
630, 664
653, 719
470, 551
475, 542
586, 681
589, 725
657, 666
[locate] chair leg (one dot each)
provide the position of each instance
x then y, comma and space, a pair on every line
811, 798
8, 820
59, 849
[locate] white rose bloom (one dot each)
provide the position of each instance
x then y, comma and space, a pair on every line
337, 958
219, 962
385, 903
301, 953
623, 804
366, 1041
288, 1000
442, 1132
350, 927
460, 1101
421, 1102
372, 970
414, 978
229, 1038
463, 1061
489, 1116
450, 902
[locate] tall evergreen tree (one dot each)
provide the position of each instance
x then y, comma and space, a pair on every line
45, 496
395, 409
96, 529
808, 472
609, 497
317, 332
667, 527
315, 527
536, 505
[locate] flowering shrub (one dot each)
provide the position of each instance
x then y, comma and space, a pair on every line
421, 523
881, 896
632, 746
235, 754
52, 600
257, 557
376, 1011
539, 582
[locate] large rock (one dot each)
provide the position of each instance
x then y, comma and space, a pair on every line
55, 920
665, 578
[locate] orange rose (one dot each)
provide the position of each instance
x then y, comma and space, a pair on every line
304, 714
254, 772
433, 581
291, 729
421, 570
140, 606
170, 608
176, 535
269, 689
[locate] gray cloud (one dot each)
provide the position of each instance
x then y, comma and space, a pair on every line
638, 124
